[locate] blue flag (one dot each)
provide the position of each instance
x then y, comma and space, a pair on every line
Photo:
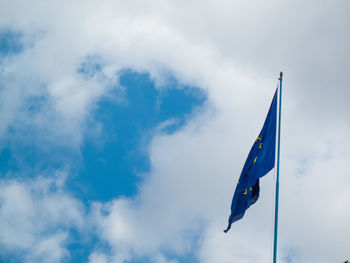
261, 159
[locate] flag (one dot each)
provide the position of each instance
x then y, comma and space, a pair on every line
260, 160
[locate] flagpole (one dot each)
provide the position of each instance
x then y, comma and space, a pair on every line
278, 171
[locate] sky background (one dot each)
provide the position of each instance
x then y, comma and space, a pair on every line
124, 126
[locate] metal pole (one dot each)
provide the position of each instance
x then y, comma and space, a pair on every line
278, 171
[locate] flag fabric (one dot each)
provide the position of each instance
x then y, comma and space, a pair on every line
260, 160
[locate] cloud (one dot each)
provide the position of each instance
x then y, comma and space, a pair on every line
184, 205
219, 51
96, 257
36, 217
50, 249
315, 203
233, 50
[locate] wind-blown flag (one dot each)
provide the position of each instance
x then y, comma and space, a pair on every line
260, 161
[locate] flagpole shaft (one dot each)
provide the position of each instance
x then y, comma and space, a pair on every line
278, 171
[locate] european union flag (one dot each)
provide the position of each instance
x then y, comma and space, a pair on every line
261, 159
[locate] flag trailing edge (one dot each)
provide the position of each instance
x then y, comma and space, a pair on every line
260, 160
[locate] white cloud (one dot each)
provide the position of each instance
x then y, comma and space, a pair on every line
36, 216
232, 49
97, 257
50, 249
194, 172
314, 206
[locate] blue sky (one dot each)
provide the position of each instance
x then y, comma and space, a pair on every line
124, 127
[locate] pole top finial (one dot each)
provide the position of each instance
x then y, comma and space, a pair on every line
281, 75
